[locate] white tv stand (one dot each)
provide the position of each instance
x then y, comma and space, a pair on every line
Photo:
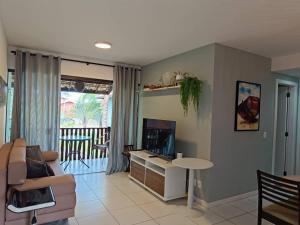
158, 176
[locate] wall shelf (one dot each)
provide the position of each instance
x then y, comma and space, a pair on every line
160, 89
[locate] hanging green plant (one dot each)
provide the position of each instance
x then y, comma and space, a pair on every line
190, 90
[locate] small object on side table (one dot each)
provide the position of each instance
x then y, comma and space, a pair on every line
30, 201
192, 164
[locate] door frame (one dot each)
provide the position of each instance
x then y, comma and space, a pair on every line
296, 136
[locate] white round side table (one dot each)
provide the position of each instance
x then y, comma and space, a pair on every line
192, 164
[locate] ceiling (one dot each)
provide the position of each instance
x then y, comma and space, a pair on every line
145, 31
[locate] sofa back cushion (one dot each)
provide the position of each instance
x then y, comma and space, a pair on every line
4, 158
17, 169
19, 142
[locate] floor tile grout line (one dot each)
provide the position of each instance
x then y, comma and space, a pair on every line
135, 205
115, 219
233, 216
116, 184
233, 200
101, 204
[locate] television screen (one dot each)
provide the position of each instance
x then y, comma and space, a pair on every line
159, 137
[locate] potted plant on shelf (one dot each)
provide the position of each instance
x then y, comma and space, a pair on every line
190, 90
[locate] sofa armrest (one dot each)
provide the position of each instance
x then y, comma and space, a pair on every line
61, 185
50, 156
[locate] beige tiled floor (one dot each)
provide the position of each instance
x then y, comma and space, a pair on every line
116, 200
95, 166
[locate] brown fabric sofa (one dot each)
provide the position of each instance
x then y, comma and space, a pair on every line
13, 172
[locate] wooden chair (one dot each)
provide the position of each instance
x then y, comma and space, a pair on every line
103, 148
283, 196
126, 153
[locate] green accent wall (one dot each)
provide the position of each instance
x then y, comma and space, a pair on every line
210, 133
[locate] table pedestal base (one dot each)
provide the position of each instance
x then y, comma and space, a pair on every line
34, 219
191, 189
192, 164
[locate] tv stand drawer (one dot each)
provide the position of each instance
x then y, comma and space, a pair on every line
155, 182
137, 171
158, 176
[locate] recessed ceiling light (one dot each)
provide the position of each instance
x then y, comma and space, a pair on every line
103, 45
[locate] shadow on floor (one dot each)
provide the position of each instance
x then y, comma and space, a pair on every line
77, 168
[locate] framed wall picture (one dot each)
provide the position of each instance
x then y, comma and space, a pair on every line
247, 106
2, 92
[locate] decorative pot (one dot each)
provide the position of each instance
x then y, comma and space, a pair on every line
168, 78
179, 77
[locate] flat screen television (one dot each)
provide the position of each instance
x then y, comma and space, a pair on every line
159, 137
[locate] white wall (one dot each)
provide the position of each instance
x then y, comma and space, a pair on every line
287, 62
3, 74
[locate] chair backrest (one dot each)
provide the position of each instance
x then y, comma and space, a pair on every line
107, 134
279, 191
128, 148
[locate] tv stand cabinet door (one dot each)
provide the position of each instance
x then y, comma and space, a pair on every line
137, 171
155, 182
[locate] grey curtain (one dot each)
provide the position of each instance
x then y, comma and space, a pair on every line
36, 109
124, 115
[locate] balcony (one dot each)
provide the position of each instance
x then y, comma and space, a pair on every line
93, 157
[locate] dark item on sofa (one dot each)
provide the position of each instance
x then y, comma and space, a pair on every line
34, 152
38, 169
36, 165
284, 196
31, 200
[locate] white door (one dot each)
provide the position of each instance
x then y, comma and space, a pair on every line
285, 147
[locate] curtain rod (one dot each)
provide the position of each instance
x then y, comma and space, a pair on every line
74, 60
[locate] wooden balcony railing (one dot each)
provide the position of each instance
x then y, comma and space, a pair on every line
97, 136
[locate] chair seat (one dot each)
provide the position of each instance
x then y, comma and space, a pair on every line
127, 154
100, 146
282, 213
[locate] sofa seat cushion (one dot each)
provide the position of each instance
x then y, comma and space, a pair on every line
62, 203
282, 213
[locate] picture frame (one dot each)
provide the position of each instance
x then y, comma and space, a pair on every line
3, 92
247, 106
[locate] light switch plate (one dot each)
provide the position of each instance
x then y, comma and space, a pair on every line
265, 134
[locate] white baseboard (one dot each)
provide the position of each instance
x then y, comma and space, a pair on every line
231, 199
